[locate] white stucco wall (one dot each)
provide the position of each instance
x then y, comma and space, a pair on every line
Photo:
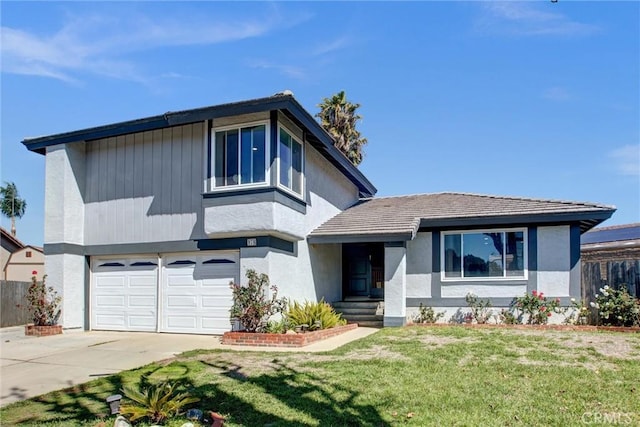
66, 273
395, 290
554, 260
419, 266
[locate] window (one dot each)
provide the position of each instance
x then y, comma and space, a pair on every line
290, 153
240, 156
28, 254
484, 254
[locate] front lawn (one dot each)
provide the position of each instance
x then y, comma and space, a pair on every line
419, 376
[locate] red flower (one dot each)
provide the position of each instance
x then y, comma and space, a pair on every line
549, 314
558, 300
543, 308
34, 272
534, 293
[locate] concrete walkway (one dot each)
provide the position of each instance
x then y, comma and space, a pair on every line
32, 366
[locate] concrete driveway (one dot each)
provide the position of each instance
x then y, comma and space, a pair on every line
31, 366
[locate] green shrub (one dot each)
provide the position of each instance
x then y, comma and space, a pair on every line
427, 314
536, 307
157, 402
480, 308
617, 307
277, 326
251, 306
315, 315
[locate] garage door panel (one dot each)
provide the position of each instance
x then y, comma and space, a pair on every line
142, 301
197, 297
110, 301
182, 301
124, 294
209, 302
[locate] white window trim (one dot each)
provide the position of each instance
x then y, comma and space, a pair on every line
303, 171
525, 251
267, 153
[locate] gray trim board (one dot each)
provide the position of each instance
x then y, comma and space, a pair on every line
587, 220
401, 244
436, 285
255, 195
532, 253
359, 238
575, 273
171, 246
87, 293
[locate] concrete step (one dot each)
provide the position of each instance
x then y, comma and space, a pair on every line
338, 305
348, 311
357, 318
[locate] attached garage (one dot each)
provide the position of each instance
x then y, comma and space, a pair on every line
178, 293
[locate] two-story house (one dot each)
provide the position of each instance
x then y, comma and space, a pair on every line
147, 222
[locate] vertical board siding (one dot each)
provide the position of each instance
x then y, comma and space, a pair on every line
145, 187
13, 299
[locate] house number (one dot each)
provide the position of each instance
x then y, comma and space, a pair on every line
252, 242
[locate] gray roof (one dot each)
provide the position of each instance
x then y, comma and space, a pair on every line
399, 218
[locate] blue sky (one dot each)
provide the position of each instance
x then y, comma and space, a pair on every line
533, 99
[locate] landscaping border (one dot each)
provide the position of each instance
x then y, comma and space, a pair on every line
42, 331
283, 340
585, 328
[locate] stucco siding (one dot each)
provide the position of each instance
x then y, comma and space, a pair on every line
554, 260
419, 266
145, 187
64, 193
483, 290
66, 274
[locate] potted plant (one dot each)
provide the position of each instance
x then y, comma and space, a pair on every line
43, 304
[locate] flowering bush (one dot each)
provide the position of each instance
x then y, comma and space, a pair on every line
617, 307
427, 314
251, 307
578, 313
536, 307
43, 302
480, 308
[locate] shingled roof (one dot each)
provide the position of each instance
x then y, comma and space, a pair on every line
399, 218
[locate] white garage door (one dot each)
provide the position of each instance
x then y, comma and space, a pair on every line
196, 296
124, 294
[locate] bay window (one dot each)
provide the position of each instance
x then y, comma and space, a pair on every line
290, 154
240, 156
484, 254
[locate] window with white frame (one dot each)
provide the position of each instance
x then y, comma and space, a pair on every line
290, 155
484, 254
240, 156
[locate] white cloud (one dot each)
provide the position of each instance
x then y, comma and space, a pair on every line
626, 159
530, 19
331, 46
104, 45
556, 93
288, 70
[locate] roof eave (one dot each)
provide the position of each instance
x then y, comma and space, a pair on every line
586, 219
287, 103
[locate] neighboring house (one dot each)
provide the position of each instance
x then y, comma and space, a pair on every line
615, 251
147, 222
23, 262
18, 260
8, 245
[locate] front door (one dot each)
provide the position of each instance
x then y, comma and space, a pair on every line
359, 275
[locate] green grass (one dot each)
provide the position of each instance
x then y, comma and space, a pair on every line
419, 376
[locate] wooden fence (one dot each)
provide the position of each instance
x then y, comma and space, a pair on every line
619, 274
13, 303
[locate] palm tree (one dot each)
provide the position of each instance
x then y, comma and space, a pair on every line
11, 204
338, 117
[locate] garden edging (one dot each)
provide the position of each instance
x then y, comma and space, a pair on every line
283, 340
586, 328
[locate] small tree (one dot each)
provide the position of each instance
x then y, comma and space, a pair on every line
251, 306
43, 302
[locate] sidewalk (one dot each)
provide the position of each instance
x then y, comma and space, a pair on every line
31, 366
